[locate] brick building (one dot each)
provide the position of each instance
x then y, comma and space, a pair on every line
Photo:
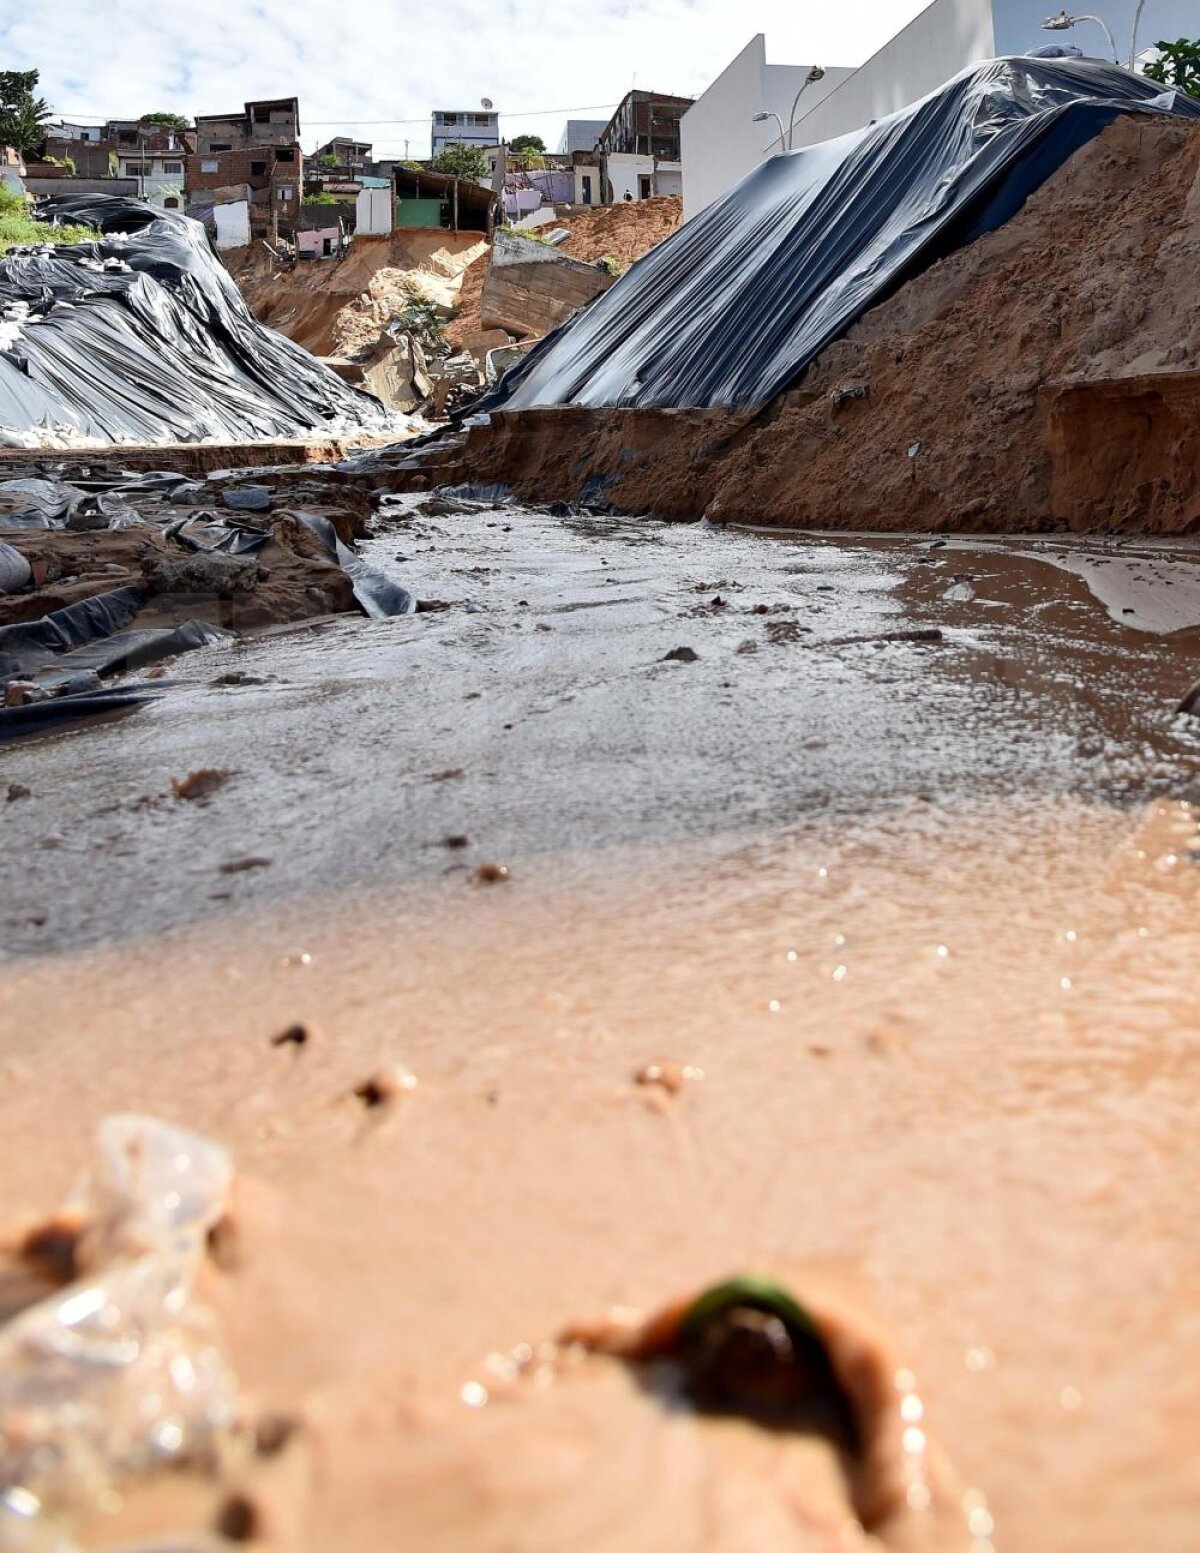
273, 121
272, 175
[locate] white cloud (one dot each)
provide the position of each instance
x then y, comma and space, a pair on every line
356, 61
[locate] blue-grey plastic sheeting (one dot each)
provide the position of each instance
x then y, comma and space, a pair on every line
732, 307
142, 336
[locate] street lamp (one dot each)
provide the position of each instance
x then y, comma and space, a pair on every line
1062, 21
815, 74
761, 118
1137, 16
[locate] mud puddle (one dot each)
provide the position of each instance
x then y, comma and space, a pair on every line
590, 682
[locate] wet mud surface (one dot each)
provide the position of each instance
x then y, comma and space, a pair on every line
588, 682
863, 963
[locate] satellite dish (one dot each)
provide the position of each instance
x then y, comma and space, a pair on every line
486, 102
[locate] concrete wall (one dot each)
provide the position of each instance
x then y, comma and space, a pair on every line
949, 35
721, 142
373, 212
626, 171
937, 44
593, 192
233, 224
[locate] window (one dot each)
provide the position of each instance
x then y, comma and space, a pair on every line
258, 169
447, 118
209, 164
173, 167
170, 203
285, 194
221, 145
132, 169
287, 155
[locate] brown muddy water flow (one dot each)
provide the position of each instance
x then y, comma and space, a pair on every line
910, 925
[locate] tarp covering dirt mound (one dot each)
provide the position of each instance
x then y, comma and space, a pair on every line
142, 337
731, 308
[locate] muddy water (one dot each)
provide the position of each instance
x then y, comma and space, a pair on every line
922, 915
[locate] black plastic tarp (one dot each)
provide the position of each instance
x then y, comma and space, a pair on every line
730, 309
144, 337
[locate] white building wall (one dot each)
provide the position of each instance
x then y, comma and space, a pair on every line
591, 191
720, 142
947, 36
624, 169
233, 224
469, 133
373, 212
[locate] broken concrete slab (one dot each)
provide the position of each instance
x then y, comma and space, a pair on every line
532, 288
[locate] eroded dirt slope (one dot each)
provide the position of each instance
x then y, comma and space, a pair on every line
1044, 377
335, 307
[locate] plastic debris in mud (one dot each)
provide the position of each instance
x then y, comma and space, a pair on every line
119, 1372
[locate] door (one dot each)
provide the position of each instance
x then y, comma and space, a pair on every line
643, 186
586, 180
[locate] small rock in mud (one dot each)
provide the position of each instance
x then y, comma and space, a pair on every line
53, 1246
239, 1519
235, 677
681, 655
273, 1432
432, 606
18, 790
385, 1086
200, 785
23, 692
243, 865
781, 632
224, 1243
491, 873
456, 842
667, 1076
446, 776
293, 1035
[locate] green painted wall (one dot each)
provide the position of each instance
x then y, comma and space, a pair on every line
419, 212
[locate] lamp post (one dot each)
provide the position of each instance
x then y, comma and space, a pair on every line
1137, 16
1062, 21
761, 118
815, 74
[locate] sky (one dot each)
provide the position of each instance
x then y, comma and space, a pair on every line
353, 62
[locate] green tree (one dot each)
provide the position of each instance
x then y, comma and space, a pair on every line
22, 115
526, 143
1178, 64
462, 162
167, 120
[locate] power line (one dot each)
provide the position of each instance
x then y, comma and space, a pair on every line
514, 113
